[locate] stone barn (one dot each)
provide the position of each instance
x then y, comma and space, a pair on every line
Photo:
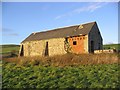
83, 38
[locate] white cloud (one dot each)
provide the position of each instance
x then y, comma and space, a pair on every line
59, 16
90, 8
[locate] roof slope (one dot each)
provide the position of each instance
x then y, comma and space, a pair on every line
61, 32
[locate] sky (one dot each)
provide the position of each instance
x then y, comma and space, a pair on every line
20, 19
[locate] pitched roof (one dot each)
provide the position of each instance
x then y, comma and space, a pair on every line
61, 32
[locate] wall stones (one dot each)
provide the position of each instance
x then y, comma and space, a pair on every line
37, 48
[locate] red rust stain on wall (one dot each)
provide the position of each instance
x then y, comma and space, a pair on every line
77, 44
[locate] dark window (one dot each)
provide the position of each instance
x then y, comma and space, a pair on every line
66, 39
74, 43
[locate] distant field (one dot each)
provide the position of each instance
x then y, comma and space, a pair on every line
9, 48
111, 46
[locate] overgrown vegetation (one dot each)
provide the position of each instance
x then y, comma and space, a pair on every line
62, 71
67, 60
66, 71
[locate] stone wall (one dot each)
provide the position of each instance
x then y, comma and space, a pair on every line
37, 48
56, 46
33, 48
104, 51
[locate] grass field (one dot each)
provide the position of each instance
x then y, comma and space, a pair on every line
84, 76
111, 46
9, 48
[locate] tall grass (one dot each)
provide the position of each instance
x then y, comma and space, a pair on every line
66, 60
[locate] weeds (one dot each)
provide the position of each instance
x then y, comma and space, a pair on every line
63, 71
66, 60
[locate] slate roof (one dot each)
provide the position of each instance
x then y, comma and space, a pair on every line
61, 32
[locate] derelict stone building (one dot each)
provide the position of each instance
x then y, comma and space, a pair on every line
83, 38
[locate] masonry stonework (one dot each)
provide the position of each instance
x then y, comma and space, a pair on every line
37, 48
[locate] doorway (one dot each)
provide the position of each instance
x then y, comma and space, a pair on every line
92, 46
22, 51
46, 49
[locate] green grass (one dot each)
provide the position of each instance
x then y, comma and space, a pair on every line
111, 46
9, 48
84, 76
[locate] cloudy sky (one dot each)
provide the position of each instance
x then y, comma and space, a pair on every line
20, 19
